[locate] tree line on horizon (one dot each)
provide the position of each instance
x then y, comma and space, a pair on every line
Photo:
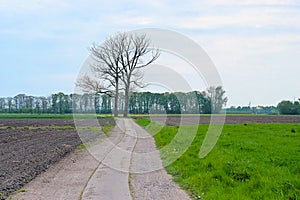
270, 110
194, 102
139, 103
284, 107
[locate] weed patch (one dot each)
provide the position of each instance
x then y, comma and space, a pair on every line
21, 191
107, 128
83, 146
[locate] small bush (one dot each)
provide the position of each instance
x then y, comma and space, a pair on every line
293, 130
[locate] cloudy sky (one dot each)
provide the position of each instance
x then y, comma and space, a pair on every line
255, 45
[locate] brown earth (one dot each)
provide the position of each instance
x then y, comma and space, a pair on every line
29, 146
190, 120
36, 122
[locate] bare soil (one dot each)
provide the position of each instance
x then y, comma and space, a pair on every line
36, 122
190, 120
29, 146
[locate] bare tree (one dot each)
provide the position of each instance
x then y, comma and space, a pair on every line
117, 63
107, 71
133, 48
107, 67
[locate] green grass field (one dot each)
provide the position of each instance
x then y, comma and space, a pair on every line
250, 161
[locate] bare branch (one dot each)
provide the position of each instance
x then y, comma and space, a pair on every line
92, 86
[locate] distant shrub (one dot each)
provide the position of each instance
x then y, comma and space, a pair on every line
289, 108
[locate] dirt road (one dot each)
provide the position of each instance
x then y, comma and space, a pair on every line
125, 165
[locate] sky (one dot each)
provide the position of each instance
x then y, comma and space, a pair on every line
254, 45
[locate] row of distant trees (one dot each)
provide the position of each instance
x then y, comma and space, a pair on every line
139, 103
270, 110
210, 101
284, 108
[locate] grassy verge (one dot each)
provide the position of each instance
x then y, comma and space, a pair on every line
250, 161
107, 128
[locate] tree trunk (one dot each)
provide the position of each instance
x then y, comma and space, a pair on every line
116, 113
126, 102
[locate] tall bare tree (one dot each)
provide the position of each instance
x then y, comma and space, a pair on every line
133, 49
117, 63
106, 69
